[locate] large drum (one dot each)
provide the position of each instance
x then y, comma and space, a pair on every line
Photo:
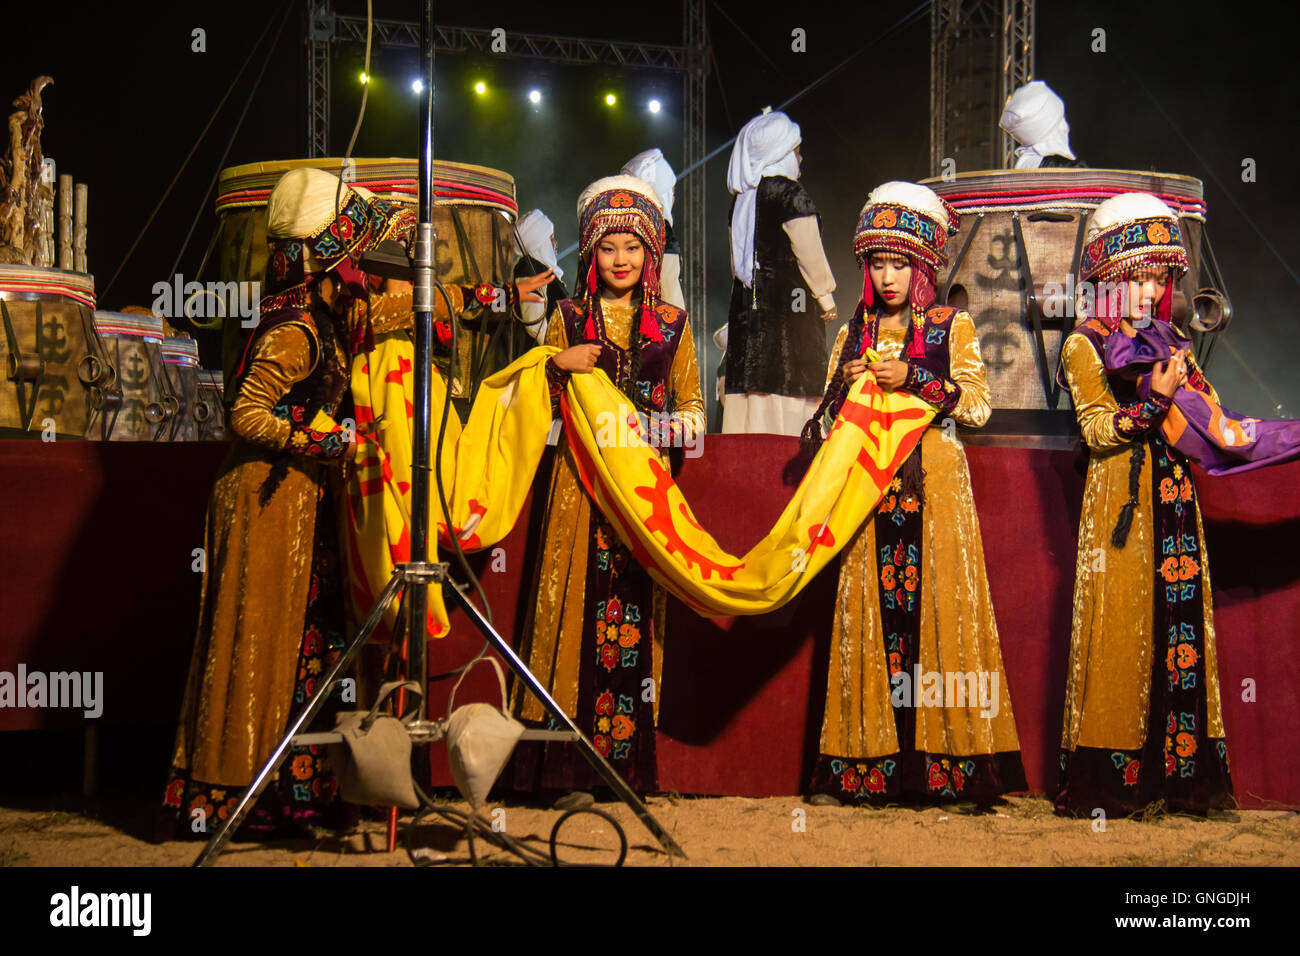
136, 403
210, 408
49, 353
1015, 264
474, 211
180, 358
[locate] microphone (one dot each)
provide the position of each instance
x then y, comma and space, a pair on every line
389, 260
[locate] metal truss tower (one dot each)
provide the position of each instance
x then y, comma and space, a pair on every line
325, 28
980, 51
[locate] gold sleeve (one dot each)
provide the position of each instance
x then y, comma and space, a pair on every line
966, 368
835, 356
688, 400
1095, 406
281, 357
393, 311
555, 332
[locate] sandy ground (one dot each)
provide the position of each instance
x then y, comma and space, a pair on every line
715, 831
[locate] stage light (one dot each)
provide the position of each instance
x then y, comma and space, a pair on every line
365, 77
417, 86
654, 106
480, 87
610, 99
535, 96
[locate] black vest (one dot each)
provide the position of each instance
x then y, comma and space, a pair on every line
770, 346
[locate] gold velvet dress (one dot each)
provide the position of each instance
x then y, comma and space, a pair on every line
596, 633
271, 616
1142, 716
917, 703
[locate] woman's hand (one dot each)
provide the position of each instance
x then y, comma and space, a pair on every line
527, 288
854, 368
579, 358
889, 374
1168, 377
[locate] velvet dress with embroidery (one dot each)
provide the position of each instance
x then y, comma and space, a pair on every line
271, 615
917, 703
1143, 721
596, 631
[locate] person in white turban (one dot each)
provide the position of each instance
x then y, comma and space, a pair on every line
1035, 118
537, 238
654, 169
781, 295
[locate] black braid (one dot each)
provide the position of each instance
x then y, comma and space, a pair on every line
1125, 520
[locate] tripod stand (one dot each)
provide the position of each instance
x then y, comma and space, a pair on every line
418, 574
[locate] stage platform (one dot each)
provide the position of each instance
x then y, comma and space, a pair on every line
97, 555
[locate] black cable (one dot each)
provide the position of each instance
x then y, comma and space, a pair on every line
167, 192
231, 142
472, 823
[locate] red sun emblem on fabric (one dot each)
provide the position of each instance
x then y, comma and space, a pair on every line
622, 201
940, 238
660, 520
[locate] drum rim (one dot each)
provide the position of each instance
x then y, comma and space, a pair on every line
932, 181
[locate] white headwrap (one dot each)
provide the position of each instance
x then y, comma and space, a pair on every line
654, 169
302, 202
535, 232
764, 147
1035, 118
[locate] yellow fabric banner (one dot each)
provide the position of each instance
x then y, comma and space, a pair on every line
488, 468
875, 431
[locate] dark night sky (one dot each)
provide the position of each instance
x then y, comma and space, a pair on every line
130, 98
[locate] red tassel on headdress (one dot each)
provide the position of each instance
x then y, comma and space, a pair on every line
593, 287
868, 290
1165, 309
649, 297
921, 295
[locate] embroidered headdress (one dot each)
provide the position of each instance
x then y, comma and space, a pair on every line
623, 204
1127, 232
310, 234
911, 221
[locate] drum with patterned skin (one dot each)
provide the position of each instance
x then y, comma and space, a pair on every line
473, 215
137, 402
50, 358
1014, 266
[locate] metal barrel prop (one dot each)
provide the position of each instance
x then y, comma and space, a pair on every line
136, 404
50, 357
180, 358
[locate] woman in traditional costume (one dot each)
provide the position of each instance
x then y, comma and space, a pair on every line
781, 296
917, 704
597, 628
1142, 717
271, 615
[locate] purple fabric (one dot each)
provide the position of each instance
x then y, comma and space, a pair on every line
1218, 439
